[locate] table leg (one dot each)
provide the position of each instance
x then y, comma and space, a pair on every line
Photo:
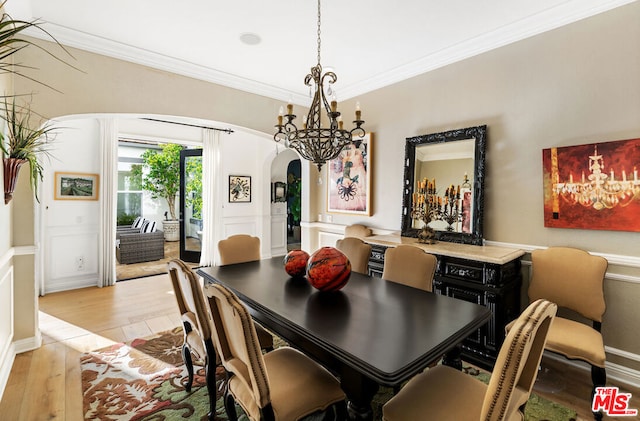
360, 391
452, 358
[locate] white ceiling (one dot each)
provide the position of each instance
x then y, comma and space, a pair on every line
368, 43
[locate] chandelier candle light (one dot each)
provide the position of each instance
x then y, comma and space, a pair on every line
427, 206
313, 142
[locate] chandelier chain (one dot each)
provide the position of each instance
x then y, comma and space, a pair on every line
312, 141
319, 32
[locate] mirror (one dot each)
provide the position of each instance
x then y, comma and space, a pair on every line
443, 188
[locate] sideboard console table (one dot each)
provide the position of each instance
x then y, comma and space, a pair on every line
486, 275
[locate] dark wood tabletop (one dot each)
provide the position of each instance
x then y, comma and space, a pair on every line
372, 332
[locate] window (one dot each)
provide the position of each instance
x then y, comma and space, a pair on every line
129, 197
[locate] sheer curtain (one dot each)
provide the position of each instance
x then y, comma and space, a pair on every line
108, 184
211, 197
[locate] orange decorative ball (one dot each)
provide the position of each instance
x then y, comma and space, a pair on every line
295, 263
328, 269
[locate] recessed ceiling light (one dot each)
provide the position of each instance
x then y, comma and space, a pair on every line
250, 38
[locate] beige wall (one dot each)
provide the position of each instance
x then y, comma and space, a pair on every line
574, 85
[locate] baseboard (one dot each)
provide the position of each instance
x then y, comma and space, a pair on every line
5, 368
616, 372
28, 344
16, 347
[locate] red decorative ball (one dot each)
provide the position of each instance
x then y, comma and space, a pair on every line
295, 263
328, 269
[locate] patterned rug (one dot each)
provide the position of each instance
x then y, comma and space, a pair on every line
144, 380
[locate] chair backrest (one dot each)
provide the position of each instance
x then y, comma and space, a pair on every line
410, 266
571, 278
237, 343
239, 248
357, 251
516, 367
357, 230
187, 287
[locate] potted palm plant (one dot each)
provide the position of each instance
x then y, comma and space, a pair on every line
24, 142
160, 175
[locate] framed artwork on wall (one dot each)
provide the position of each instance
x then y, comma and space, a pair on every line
239, 188
593, 186
349, 178
76, 186
278, 191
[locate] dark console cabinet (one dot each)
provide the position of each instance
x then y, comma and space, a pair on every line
490, 280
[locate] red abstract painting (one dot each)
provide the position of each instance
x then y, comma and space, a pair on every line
594, 186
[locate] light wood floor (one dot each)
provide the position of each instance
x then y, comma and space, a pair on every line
45, 384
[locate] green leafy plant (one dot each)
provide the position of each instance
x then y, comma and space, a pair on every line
294, 187
22, 141
124, 218
160, 174
11, 42
193, 186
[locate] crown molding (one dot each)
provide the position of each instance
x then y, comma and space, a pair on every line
555, 17
569, 12
99, 45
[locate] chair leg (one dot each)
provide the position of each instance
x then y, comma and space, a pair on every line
210, 378
186, 357
341, 411
599, 379
229, 404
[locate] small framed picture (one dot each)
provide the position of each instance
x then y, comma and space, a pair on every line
76, 186
239, 188
278, 191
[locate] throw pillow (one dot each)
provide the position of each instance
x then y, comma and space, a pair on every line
148, 226
138, 222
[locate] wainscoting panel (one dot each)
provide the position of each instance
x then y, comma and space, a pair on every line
71, 258
7, 353
278, 235
328, 239
239, 225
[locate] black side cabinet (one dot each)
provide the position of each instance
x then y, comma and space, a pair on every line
496, 286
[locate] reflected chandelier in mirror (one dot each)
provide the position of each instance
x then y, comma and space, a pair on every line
443, 188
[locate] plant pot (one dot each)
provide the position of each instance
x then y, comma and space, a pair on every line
11, 170
171, 230
297, 231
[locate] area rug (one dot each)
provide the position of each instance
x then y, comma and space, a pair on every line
144, 380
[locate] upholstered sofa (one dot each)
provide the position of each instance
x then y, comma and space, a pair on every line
132, 246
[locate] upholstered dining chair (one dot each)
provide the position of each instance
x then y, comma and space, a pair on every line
196, 326
357, 251
410, 266
281, 385
358, 231
239, 248
243, 248
444, 393
573, 279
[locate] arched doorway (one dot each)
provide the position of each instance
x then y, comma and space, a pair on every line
294, 204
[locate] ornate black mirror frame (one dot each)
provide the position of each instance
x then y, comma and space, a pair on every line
479, 133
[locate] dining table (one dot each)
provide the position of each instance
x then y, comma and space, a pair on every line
371, 333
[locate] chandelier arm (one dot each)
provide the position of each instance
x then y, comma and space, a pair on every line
314, 142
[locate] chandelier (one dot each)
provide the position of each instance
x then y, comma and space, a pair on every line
314, 142
600, 190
